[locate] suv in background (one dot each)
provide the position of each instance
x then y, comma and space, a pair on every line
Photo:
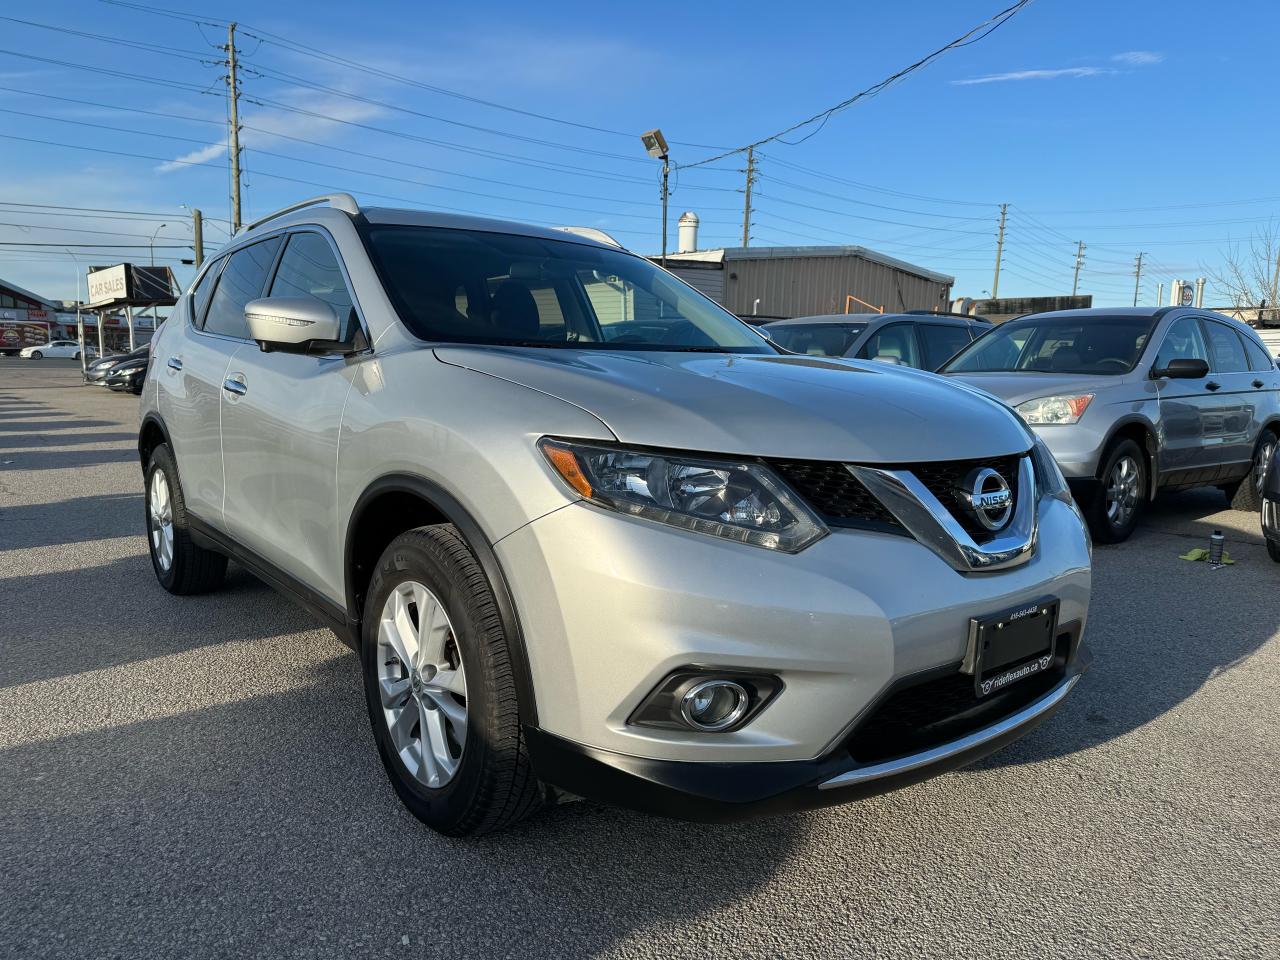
922, 340
669, 567
1133, 401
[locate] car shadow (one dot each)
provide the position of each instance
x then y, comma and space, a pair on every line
1160, 627
37, 441
79, 520
267, 827
41, 459
44, 426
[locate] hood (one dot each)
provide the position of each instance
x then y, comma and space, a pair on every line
1016, 388
805, 408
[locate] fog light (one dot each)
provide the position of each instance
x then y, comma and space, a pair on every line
714, 704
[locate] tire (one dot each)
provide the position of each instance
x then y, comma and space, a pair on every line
1121, 497
1273, 550
182, 567
76, 356
1246, 494
460, 785
37, 355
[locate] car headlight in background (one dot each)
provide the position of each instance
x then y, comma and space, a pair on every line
738, 501
1067, 408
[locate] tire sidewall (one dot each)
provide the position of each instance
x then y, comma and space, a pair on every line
403, 561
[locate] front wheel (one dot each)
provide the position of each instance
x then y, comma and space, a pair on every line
1122, 496
37, 355
439, 687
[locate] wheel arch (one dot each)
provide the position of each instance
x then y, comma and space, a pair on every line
398, 502
151, 433
1143, 433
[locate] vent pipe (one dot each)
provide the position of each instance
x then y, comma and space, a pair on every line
688, 232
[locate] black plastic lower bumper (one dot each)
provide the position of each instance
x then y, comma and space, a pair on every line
724, 792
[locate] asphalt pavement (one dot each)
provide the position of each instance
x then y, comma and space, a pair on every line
195, 777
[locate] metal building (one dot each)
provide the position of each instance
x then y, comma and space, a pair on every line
779, 282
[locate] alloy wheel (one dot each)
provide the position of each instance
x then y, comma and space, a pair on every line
1266, 451
422, 684
1122, 491
160, 519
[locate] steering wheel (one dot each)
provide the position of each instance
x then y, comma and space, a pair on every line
1123, 365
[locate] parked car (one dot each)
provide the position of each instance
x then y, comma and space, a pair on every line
54, 348
1134, 401
922, 340
677, 570
95, 371
128, 374
1271, 506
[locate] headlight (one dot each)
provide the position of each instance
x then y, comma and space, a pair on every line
1067, 408
1049, 479
739, 501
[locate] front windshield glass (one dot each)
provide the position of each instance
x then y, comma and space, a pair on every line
469, 286
1086, 345
816, 339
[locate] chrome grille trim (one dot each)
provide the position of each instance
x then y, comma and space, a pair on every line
933, 525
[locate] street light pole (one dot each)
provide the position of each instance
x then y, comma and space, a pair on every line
655, 144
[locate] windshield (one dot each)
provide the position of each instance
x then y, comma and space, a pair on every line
469, 286
1088, 345
816, 339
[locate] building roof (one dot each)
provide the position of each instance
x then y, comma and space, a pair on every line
47, 304
725, 254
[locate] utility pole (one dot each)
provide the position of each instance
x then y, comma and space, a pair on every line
746, 207
233, 95
1275, 280
995, 284
197, 231
1137, 277
1075, 284
666, 173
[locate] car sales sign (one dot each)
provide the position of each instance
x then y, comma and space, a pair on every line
109, 285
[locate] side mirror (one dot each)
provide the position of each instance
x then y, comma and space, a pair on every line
1183, 368
293, 324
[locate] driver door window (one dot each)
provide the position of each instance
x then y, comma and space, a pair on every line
309, 268
1182, 342
894, 343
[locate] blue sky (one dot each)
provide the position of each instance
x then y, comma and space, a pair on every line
1131, 126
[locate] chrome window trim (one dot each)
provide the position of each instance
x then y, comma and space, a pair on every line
933, 525
948, 750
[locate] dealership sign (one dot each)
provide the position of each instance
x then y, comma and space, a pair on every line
109, 285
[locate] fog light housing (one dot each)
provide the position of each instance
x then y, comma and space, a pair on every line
714, 704
706, 700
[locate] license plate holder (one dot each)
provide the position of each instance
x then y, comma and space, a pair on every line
1011, 645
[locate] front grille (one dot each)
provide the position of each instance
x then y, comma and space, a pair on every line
836, 494
942, 478
939, 711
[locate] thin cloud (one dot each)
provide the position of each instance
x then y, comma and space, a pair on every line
1138, 58
212, 152
1073, 72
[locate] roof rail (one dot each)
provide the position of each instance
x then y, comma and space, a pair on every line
341, 201
591, 233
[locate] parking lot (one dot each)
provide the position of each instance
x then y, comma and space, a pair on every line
196, 777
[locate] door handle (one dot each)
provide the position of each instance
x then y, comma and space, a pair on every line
1213, 386
175, 363
235, 385
1258, 384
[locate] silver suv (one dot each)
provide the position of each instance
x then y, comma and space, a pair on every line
1133, 401
592, 535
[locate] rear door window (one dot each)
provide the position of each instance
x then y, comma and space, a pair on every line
1226, 353
1259, 359
940, 342
242, 280
200, 295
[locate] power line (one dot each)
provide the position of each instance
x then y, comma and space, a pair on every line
865, 203
972, 36
873, 188
162, 49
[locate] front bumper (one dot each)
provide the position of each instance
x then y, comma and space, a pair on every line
611, 605
724, 792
